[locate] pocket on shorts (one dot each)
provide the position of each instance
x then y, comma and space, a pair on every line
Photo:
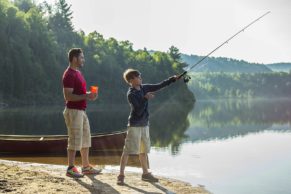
66, 117
132, 141
76, 118
147, 131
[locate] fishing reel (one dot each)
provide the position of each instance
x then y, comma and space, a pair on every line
186, 78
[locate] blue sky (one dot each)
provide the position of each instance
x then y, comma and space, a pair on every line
194, 26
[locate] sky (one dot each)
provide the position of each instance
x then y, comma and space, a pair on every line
193, 26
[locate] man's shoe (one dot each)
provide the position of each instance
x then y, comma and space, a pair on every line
90, 170
149, 178
74, 173
120, 180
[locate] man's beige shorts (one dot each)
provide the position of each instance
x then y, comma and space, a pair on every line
78, 129
137, 140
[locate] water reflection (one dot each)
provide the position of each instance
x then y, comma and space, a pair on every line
168, 121
171, 123
50, 121
168, 125
229, 118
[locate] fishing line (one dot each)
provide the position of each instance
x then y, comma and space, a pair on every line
187, 77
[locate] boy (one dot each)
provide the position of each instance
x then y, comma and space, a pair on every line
138, 139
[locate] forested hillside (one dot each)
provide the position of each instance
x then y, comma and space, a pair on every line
280, 67
218, 77
35, 39
222, 64
236, 85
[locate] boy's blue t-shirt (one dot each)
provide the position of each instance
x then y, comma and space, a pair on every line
139, 115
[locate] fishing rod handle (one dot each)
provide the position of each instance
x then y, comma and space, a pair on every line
181, 75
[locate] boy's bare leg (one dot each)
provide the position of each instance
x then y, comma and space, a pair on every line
85, 157
123, 162
144, 162
71, 157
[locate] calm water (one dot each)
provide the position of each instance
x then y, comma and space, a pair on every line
227, 146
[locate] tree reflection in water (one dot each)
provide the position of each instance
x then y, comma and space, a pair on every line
168, 121
229, 118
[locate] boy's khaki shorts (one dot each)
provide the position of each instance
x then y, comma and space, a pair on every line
78, 129
137, 140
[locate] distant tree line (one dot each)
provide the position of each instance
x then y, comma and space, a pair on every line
222, 64
35, 39
241, 85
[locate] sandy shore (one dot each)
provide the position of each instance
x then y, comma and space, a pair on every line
22, 177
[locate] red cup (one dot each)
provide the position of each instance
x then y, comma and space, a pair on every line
94, 89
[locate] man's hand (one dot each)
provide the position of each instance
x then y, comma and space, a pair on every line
149, 95
91, 96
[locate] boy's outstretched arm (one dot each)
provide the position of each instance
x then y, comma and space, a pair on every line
156, 87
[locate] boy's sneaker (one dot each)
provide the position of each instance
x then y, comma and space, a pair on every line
149, 178
74, 173
120, 179
90, 170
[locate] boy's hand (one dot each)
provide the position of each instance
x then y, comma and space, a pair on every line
173, 78
149, 95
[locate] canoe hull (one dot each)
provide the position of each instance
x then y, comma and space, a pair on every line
112, 142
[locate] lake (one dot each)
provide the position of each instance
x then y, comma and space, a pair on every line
229, 146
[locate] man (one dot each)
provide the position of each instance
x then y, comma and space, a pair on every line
76, 96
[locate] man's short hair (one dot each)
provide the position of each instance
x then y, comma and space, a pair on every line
74, 52
130, 74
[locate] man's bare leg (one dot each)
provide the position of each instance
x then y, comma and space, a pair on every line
71, 157
85, 157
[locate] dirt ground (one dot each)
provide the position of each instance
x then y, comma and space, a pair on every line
21, 177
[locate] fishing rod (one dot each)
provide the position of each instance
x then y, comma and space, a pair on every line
187, 77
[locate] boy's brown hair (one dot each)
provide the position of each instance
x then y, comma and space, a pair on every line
130, 74
74, 52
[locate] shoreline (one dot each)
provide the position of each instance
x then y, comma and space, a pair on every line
27, 177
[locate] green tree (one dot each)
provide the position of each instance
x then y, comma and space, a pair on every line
174, 53
24, 5
36, 39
